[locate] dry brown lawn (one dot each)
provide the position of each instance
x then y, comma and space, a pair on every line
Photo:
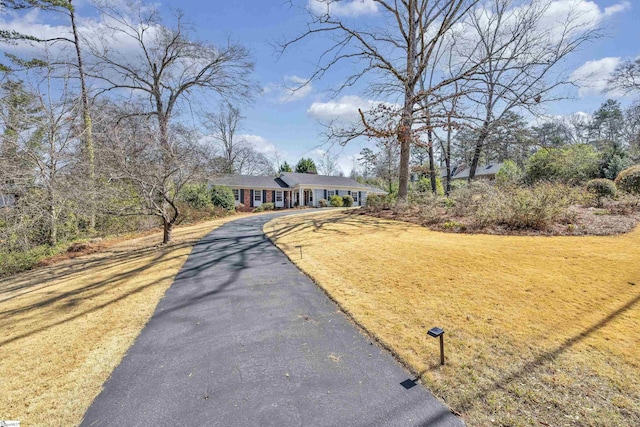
65, 327
539, 330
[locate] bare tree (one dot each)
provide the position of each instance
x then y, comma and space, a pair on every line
223, 126
166, 69
248, 161
626, 77
65, 7
135, 160
328, 164
523, 50
400, 50
43, 144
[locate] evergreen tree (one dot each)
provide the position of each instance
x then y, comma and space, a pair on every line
306, 166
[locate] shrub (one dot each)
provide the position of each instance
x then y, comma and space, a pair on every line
466, 199
264, 207
601, 188
424, 186
373, 201
336, 201
536, 207
323, 203
613, 162
458, 184
222, 197
509, 174
196, 196
629, 180
347, 201
571, 165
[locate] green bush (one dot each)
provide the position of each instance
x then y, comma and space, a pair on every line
265, 207
373, 201
323, 203
424, 186
15, 262
336, 201
601, 188
458, 184
347, 201
572, 165
629, 180
196, 196
509, 174
222, 197
613, 162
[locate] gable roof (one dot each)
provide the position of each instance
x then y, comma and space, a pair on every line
292, 179
491, 169
249, 181
375, 190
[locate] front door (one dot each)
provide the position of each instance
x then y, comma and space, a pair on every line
308, 197
279, 199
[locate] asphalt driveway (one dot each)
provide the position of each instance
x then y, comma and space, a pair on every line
243, 338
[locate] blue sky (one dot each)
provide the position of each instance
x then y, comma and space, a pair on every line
289, 123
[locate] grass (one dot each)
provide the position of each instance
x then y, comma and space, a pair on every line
14, 262
65, 327
539, 330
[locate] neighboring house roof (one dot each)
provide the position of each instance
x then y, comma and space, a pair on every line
487, 170
375, 190
249, 181
294, 179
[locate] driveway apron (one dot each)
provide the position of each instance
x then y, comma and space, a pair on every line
243, 338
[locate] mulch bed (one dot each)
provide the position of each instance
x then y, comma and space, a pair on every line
585, 221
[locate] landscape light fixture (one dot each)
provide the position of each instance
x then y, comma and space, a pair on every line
438, 332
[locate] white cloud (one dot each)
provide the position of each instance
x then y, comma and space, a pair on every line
258, 143
617, 8
295, 88
592, 76
343, 7
344, 109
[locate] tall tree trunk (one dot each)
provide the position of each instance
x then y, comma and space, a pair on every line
484, 132
167, 235
432, 163
447, 157
87, 138
406, 121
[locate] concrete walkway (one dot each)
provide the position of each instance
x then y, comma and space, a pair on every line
243, 338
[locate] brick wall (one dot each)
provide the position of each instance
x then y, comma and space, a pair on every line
269, 196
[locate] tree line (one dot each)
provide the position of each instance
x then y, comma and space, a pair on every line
452, 76
94, 125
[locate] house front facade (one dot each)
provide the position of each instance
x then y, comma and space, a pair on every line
292, 189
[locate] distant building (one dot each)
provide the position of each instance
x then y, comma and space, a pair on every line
9, 194
293, 189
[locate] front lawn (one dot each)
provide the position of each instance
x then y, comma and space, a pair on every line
539, 330
65, 327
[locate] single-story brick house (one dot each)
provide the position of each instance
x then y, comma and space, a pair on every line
292, 189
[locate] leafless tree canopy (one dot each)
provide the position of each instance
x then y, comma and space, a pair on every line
167, 68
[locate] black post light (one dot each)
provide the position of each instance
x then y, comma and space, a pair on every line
438, 332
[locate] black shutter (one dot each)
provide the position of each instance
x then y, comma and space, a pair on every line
325, 194
349, 192
273, 198
264, 196
241, 195
360, 198
251, 195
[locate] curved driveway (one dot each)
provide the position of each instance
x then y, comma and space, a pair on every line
243, 338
